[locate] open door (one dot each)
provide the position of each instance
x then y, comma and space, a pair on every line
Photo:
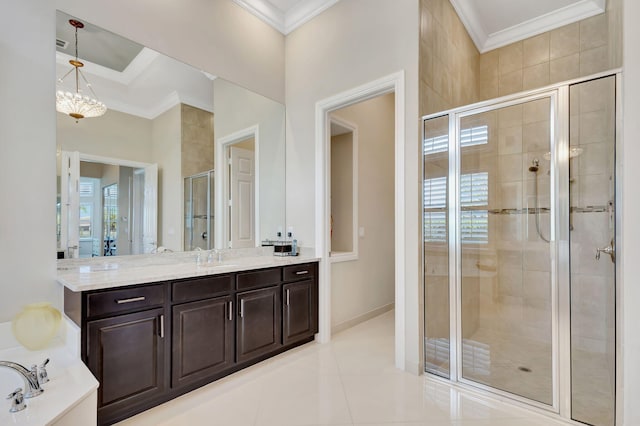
242, 196
70, 204
150, 209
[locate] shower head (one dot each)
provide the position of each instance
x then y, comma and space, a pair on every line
534, 165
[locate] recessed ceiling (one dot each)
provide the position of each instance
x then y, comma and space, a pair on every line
127, 76
495, 23
285, 15
95, 44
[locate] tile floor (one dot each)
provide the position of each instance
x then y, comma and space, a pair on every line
350, 381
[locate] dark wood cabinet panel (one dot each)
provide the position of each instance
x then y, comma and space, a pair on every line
124, 300
257, 279
126, 355
203, 340
258, 324
299, 311
201, 288
298, 272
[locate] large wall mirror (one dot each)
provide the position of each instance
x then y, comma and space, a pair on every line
181, 159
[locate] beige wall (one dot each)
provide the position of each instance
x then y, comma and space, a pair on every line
352, 43
579, 49
197, 140
27, 136
342, 192
216, 36
166, 151
114, 135
365, 285
449, 60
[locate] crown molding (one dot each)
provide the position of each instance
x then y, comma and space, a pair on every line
300, 13
567, 15
265, 11
304, 11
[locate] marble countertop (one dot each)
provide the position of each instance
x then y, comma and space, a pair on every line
109, 272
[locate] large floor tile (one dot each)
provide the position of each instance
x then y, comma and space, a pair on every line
389, 398
303, 400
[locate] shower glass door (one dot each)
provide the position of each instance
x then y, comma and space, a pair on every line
504, 227
592, 221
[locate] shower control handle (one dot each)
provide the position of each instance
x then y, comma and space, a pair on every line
610, 250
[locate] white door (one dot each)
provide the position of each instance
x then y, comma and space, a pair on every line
242, 198
70, 203
150, 209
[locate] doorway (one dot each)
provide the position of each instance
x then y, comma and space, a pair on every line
388, 84
108, 206
362, 210
237, 189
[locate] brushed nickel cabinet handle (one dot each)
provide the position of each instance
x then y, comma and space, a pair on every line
131, 300
241, 308
288, 292
302, 272
230, 310
162, 326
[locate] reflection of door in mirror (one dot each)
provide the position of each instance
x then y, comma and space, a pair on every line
108, 206
110, 219
242, 194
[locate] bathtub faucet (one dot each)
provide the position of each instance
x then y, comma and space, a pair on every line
31, 384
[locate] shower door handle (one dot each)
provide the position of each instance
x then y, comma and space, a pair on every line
610, 250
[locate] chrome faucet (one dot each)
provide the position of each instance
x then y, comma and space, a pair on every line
214, 254
30, 377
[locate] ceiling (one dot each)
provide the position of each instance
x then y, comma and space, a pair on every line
490, 23
127, 76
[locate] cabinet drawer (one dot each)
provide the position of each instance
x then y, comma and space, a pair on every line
124, 300
201, 288
261, 278
298, 272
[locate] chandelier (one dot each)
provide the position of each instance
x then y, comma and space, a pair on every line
75, 103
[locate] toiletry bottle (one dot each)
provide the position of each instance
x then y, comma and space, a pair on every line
294, 247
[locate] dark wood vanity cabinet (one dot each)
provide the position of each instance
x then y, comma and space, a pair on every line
258, 329
203, 340
147, 344
299, 303
127, 356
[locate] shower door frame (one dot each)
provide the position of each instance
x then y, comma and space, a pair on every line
559, 236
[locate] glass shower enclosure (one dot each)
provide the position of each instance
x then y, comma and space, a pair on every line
198, 211
519, 247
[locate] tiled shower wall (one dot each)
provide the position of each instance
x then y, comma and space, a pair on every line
197, 140
449, 61
579, 49
453, 73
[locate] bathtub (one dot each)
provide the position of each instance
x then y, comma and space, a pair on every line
69, 398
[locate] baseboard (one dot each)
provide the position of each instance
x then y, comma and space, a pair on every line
361, 318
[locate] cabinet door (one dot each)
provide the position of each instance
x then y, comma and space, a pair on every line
202, 342
258, 329
126, 355
299, 311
